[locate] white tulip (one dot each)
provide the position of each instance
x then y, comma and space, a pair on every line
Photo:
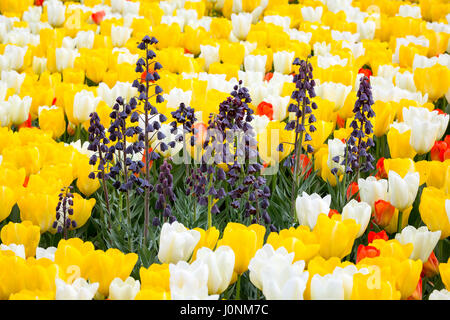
13, 79
187, 16
443, 294
309, 207
18, 249
33, 14
176, 242
335, 92
298, 35
279, 105
69, 43
124, 290
371, 190
336, 151
274, 273
327, 287
15, 56
358, 211
255, 63
20, 109
204, 22
220, 267
241, 24
366, 29
120, 35
344, 35
5, 119
402, 191
283, 22
56, 12
264, 256
405, 81
357, 49
250, 77
259, 123
65, 58
120, 89
80, 289
125, 56
210, 54
327, 61
409, 11
48, 253
425, 127
3, 90
282, 61
85, 39
189, 281
312, 14
422, 239
84, 103
130, 8
177, 96
39, 65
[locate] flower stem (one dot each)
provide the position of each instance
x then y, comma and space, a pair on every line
399, 222
238, 288
210, 200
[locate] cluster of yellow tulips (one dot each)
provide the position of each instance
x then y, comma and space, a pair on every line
62, 60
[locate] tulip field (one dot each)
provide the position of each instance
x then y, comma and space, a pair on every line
224, 150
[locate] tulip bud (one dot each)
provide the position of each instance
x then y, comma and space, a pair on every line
377, 235
431, 266
124, 290
366, 252
384, 212
71, 129
353, 190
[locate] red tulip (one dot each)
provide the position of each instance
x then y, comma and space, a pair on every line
98, 16
377, 235
381, 172
340, 122
305, 163
431, 267
366, 72
366, 252
268, 76
417, 294
265, 109
384, 211
25, 183
186, 51
332, 212
352, 190
38, 2
27, 123
438, 150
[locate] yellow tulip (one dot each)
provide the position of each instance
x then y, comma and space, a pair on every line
103, 266
208, 239
22, 233
32, 295
39, 208
400, 166
82, 209
72, 75
8, 199
53, 120
437, 173
399, 145
232, 53
301, 241
220, 28
70, 256
27, 157
156, 276
433, 210
393, 248
444, 270
434, 80
320, 165
392, 226
323, 131
269, 140
335, 237
384, 115
152, 294
231, 70
86, 185
244, 241
371, 287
